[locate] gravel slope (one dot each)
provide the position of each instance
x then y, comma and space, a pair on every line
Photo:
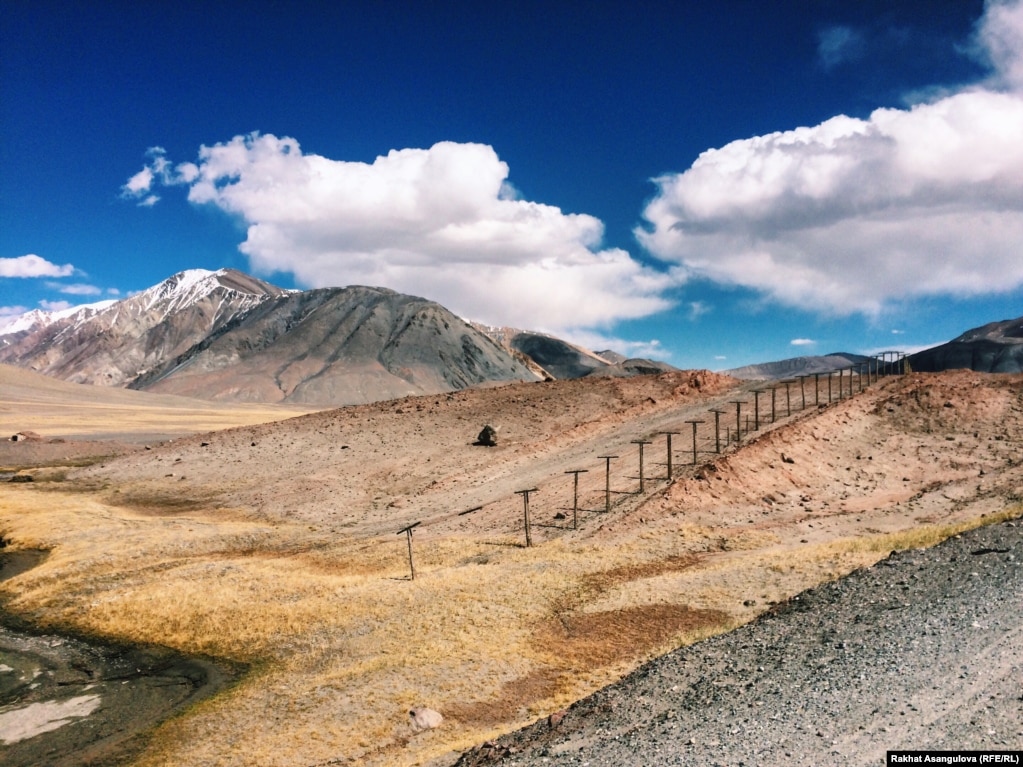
923, 650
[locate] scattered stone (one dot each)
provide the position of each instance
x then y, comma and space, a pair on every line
556, 718
21, 478
786, 459
424, 718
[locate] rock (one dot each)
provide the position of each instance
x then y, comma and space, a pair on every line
21, 478
424, 718
487, 437
786, 459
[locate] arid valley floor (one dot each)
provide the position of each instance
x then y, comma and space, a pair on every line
225, 532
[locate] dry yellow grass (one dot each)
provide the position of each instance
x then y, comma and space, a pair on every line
51, 408
343, 643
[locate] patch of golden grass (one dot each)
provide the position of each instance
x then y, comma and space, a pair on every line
343, 643
51, 407
923, 536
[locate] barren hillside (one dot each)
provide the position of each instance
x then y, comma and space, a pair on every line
277, 544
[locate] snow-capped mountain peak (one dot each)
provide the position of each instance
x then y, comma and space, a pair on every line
37, 318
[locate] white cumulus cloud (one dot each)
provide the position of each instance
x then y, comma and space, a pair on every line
802, 342
443, 222
77, 289
55, 306
32, 265
853, 215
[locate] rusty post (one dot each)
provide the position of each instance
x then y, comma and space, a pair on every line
788, 397
802, 391
669, 433
831, 374
816, 389
575, 496
408, 533
717, 430
738, 419
607, 481
774, 397
525, 512
641, 443
694, 423
756, 408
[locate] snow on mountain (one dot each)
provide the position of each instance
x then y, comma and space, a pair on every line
113, 343
37, 318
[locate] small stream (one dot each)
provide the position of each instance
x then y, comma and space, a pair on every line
66, 702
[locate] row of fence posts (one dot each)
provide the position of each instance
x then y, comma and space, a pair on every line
883, 364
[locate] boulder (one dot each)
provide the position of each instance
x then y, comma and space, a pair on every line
424, 718
487, 437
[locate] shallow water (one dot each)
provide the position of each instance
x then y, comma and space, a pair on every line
65, 701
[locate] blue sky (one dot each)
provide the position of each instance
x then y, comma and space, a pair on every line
713, 184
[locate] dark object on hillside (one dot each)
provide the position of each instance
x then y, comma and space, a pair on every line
487, 437
982, 355
993, 348
559, 358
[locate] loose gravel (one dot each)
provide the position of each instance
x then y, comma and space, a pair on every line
922, 651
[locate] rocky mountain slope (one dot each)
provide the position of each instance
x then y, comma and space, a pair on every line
227, 336
114, 343
796, 366
993, 348
337, 346
560, 360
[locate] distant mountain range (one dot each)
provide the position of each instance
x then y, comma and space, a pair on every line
228, 336
993, 348
796, 366
558, 359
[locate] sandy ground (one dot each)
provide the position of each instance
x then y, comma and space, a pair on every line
81, 421
820, 492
